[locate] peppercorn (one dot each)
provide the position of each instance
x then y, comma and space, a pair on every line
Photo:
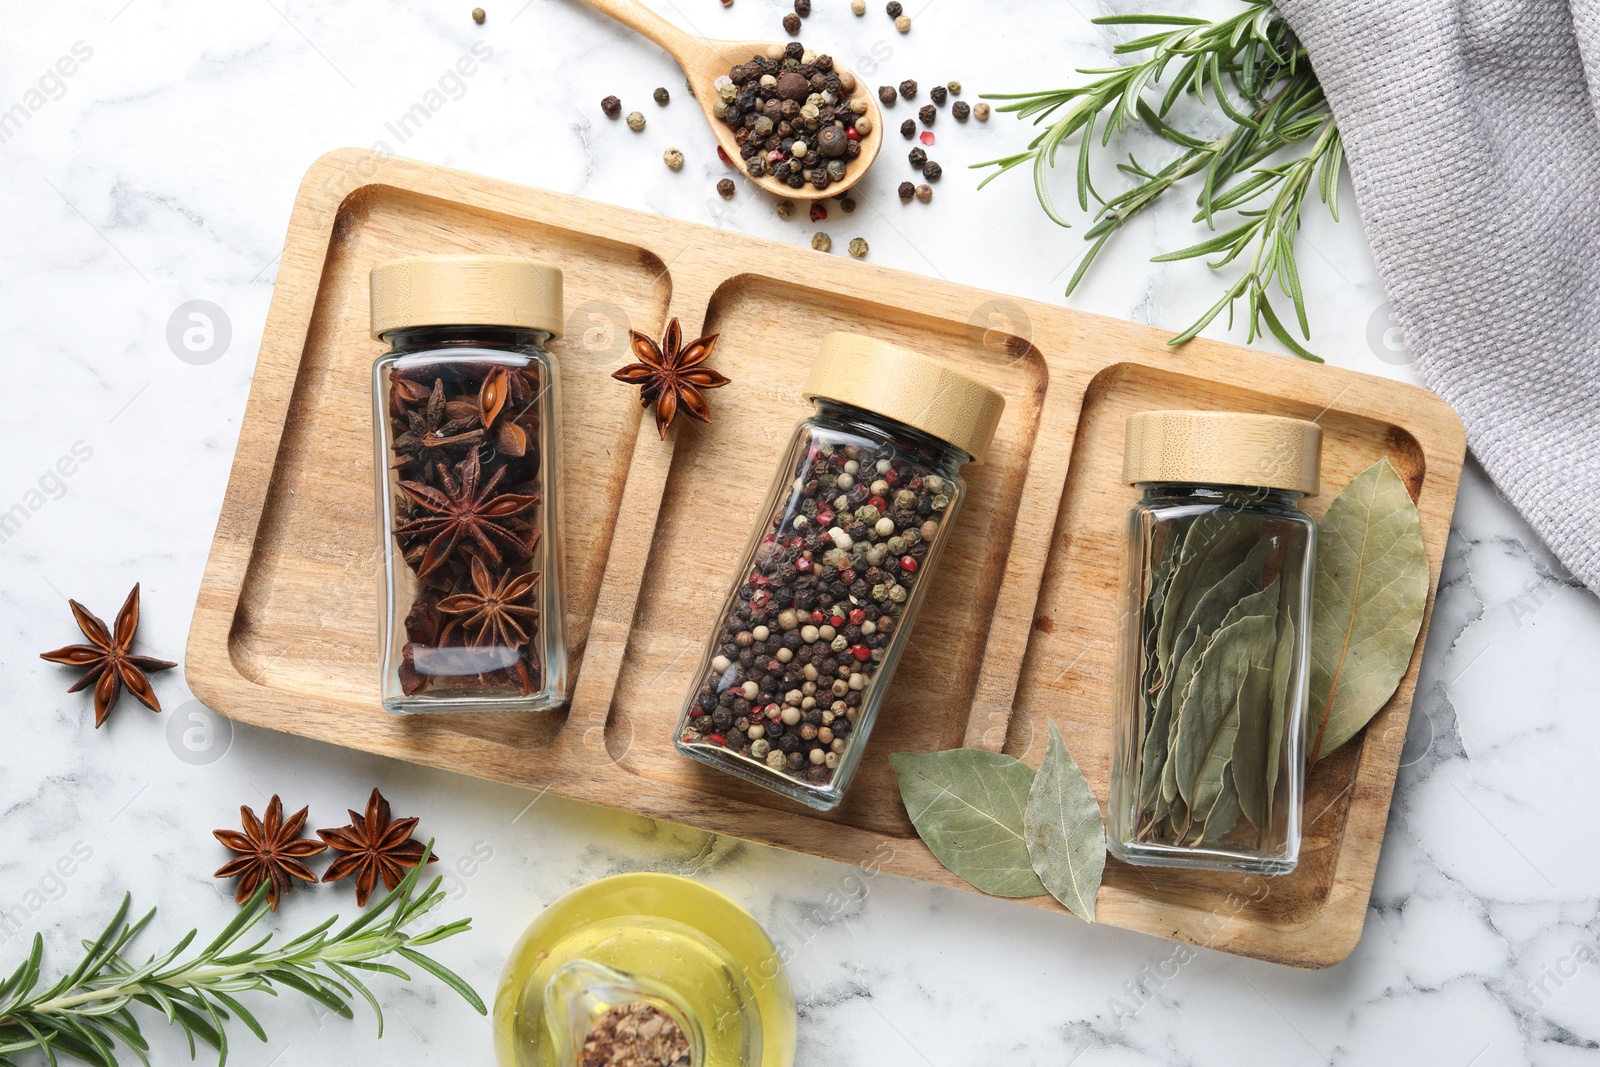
954, 87
847, 205
802, 8
924, 192
791, 23
939, 94
908, 128
831, 141
918, 158
673, 159
859, 7
858, 247
928, 114
886, 95
980, 112
932, 171
908, 88
903, 23
907, 191
960, 110
894, 9
661, 95
794, 50
821, 241
611, 106
635, 121
726, 188
478, 15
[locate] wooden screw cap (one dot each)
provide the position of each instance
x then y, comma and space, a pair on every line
466, 291
1223, 448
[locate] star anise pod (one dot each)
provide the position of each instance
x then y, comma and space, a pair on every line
463, 511
671, 376
432, 433
491, 612
111, 665
270, 851
374, 846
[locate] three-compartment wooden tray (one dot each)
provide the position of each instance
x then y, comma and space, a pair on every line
1017, 630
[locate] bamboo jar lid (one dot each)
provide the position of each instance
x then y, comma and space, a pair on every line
466, 291
909, 388
1223, 448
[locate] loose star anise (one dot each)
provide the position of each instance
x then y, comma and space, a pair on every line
492, 612
465, 511
671, 376
432, 432
110, 664
374, 846
270, 851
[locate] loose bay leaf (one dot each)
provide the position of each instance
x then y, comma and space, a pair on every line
967, 805
1370, 592
1065, 832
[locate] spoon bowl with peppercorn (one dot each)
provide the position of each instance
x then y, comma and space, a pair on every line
794, 122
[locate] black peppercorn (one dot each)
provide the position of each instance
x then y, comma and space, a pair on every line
908, 88
661, 95
908, 128
932, 171
940, 94
611, 106
791, 23
918, 157
960, 109
894, 9
907, 190
847, 205
802, 8
726, 188
794, 50
928, 114
886, 95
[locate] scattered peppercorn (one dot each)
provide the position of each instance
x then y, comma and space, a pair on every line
924, 192
908, 88
611, 106
886, 95
858, 248
673, 159
927, 138
894, 9
802, 8
980, 112
726, 188
960, 109
847, 205
907, 191
939, 94
908, 128
932, 171
784, 208
903, 23
791, 23
918, 158
661, 95
858, 6
954, 87
821, 241
928, 114
818, 212
635, 121
478, 15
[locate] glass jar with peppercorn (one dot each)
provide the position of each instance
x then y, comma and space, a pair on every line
466, 404
840, 558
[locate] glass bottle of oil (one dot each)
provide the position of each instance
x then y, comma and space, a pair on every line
654, 940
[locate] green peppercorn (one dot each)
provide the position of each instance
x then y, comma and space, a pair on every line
821, 241
635, 121
858, 247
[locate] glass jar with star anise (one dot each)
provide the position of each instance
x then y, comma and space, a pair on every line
840, 559
466, 405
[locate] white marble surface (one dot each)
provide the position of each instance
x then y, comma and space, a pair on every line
162, 170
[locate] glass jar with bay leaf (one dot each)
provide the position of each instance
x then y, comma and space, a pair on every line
466, 405
840, 558
1208, 762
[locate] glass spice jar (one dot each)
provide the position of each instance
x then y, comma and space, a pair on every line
1208, 759
466, 404
831, 579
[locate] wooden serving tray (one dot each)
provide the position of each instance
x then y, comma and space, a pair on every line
1017, 631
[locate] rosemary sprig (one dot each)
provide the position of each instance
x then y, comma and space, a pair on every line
86, 1014
1260, 80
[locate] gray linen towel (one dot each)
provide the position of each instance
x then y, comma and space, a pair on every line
1472, 136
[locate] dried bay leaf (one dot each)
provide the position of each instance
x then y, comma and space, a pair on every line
1250, 747
1065, 832
1283, 669
1213, 548
1368, 599
1224, 813
967, 805
1209, 720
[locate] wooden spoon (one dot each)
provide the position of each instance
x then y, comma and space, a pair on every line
704, 61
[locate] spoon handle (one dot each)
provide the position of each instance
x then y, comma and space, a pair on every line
686, 48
